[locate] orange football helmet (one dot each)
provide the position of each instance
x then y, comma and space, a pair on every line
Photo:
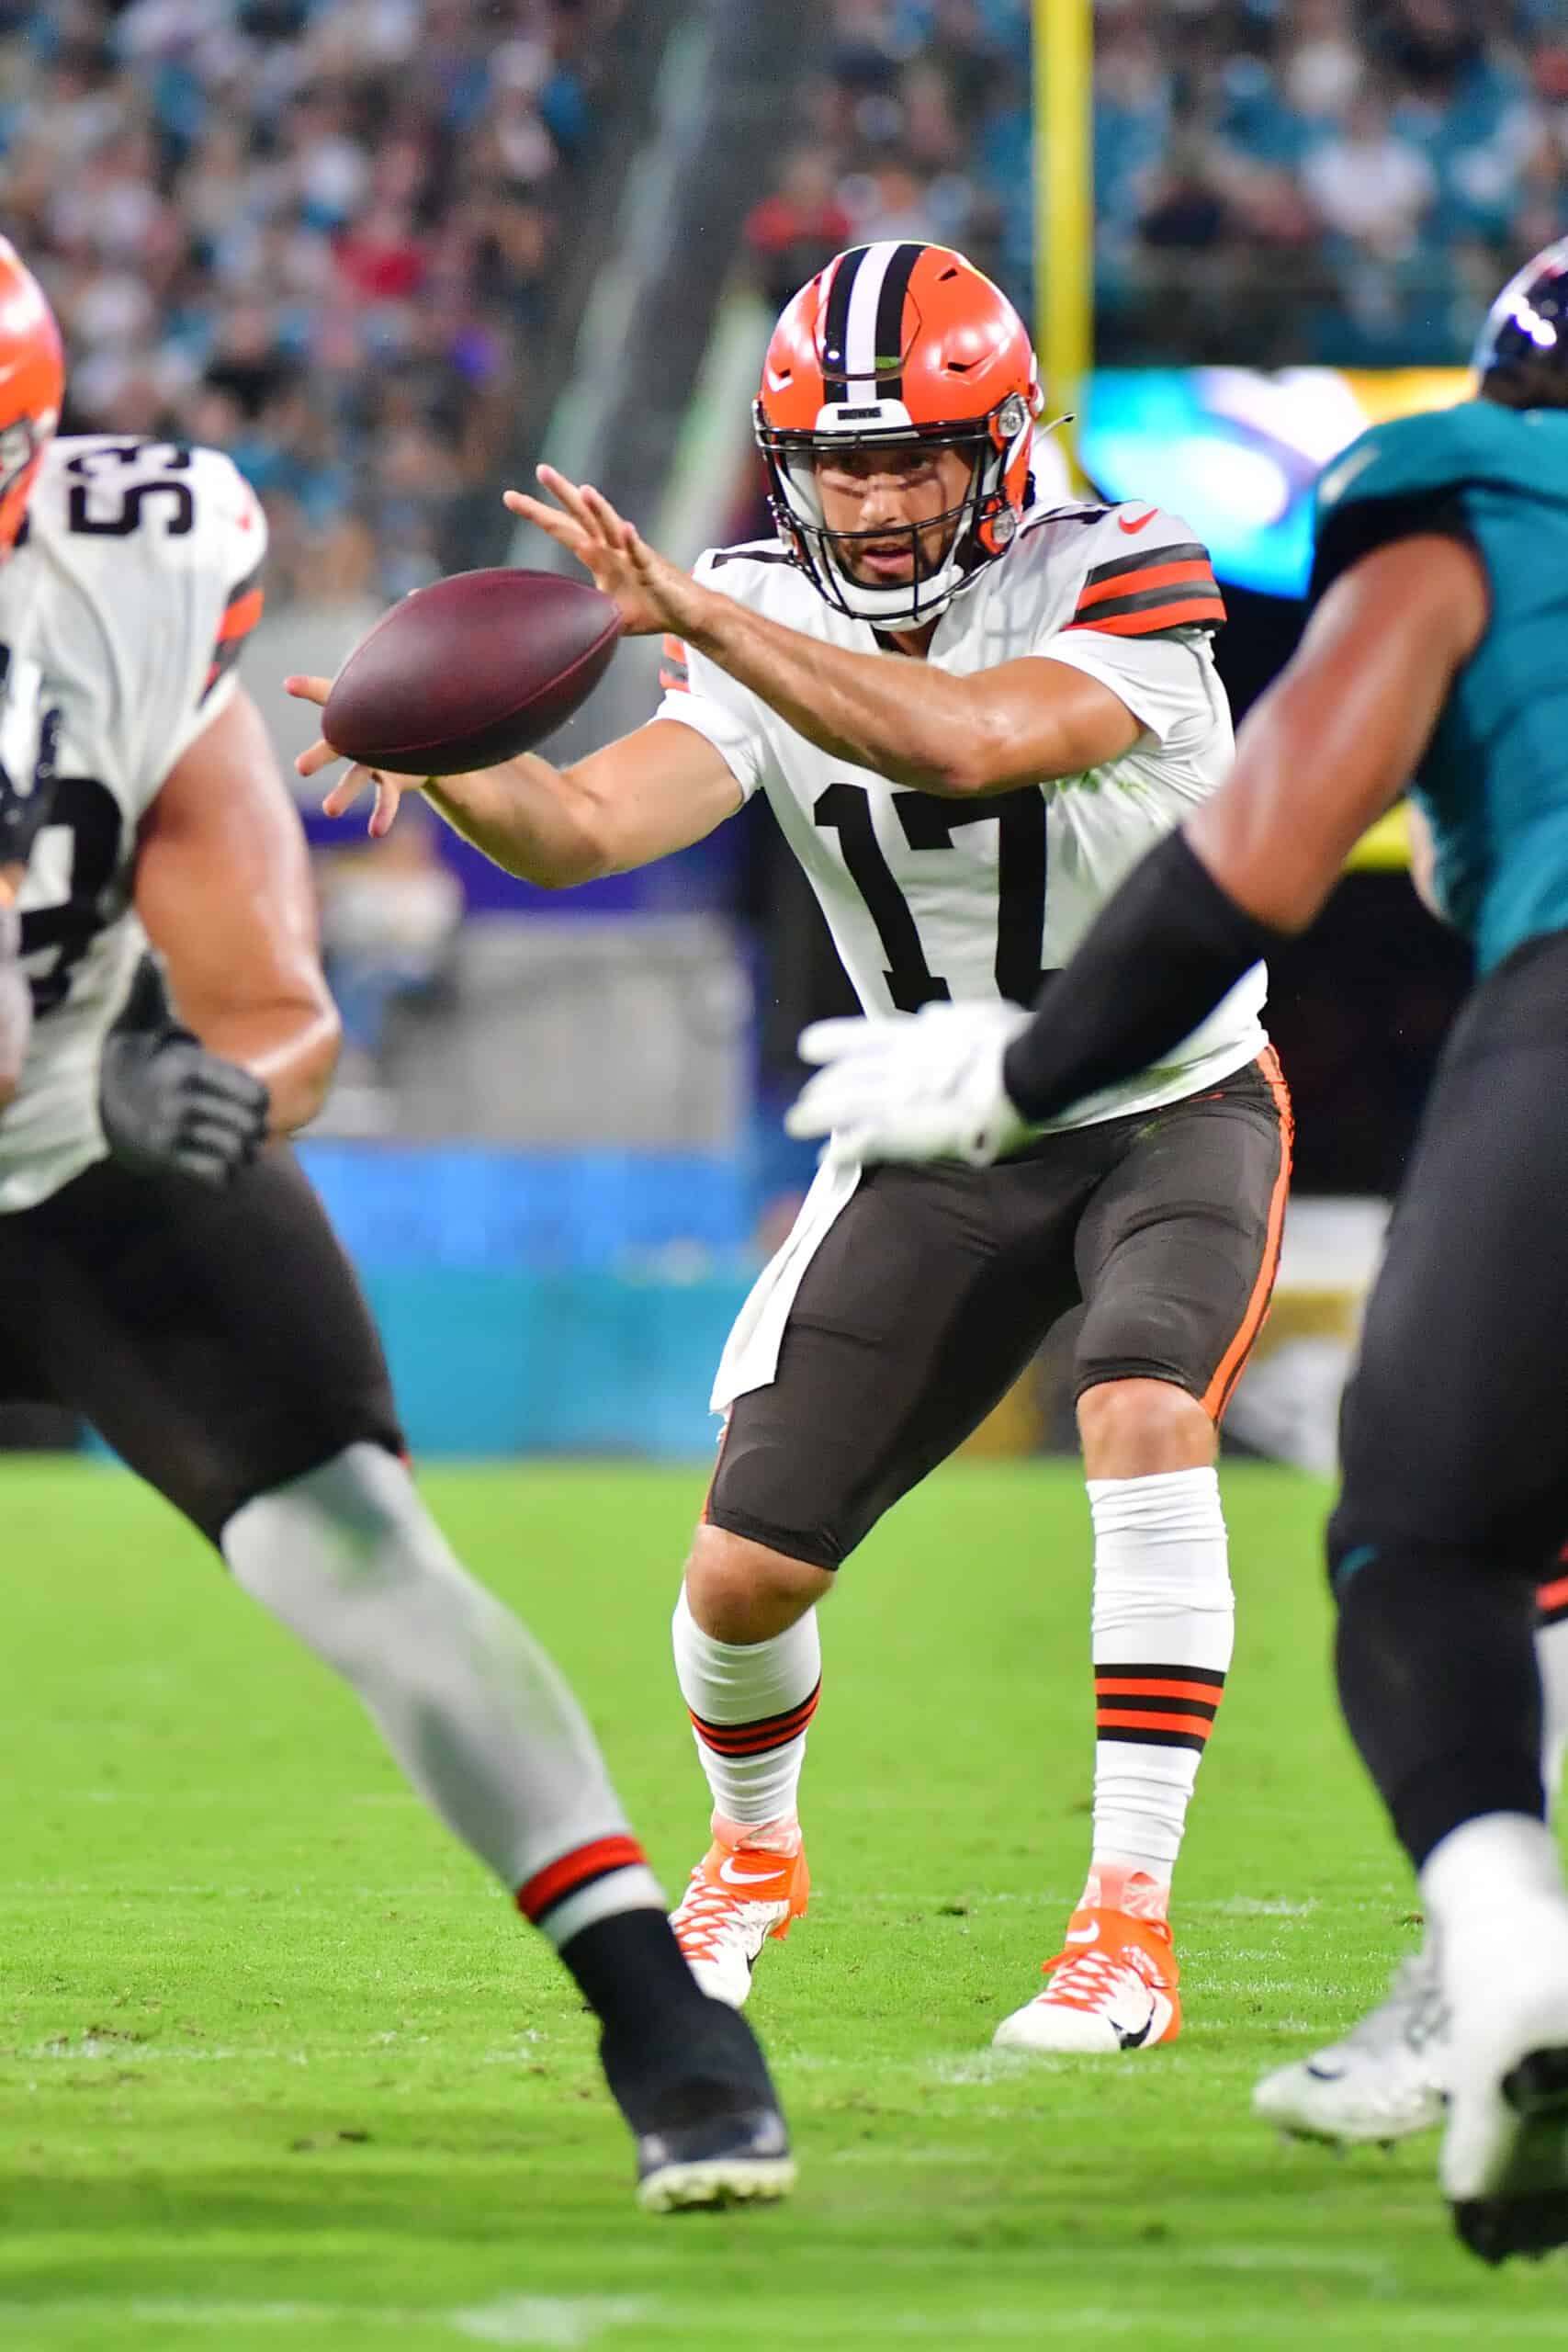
894, 342
32, 385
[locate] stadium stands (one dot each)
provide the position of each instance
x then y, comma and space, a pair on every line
321, 234
1335, 179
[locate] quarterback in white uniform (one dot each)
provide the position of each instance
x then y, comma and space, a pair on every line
166, 1271
972, 715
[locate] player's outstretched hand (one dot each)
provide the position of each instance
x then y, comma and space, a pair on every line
166, 1104
389, 789
652, 593
912, 1086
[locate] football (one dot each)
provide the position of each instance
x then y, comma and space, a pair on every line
470, 671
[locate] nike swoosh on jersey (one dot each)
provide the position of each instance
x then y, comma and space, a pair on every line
1141, 524
727, 1871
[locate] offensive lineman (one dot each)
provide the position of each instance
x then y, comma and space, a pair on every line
165, 1269
972, 714
1435, 652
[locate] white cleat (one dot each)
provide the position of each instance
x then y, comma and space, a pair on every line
1503, 2167
1113, 1988
738, 1896
1383, 2082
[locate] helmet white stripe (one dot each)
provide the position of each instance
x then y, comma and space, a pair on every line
859, 341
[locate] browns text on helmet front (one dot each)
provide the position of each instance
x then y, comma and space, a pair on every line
891, 346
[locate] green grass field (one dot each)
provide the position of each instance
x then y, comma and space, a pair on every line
279, 2069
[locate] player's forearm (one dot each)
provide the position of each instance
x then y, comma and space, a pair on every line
521, 816
1157, 959
903, 719
292, 1047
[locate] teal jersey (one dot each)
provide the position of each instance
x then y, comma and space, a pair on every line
1493, 778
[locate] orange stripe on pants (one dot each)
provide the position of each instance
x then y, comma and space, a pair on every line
1216, 1396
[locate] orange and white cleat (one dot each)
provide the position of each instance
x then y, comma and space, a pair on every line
738, 1896
1112, 1988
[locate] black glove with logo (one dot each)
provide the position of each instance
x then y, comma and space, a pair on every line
24, 808
166, 1104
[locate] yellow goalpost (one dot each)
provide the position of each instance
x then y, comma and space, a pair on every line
1063, 75
1063, 201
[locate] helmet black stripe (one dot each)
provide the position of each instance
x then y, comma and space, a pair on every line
836, 327
890, 318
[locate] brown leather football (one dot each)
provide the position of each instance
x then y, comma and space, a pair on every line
470, 671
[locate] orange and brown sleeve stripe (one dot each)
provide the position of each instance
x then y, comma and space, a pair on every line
1552, 1599
241, 613
1138, 595
1156, 1706
674, 675
756, 1738
573, 1872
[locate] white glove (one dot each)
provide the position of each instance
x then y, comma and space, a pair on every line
924, 1085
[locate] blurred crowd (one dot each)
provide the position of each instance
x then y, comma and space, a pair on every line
1343, 180
318, 233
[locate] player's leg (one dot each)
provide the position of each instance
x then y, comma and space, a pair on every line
1386, 2079
749, 1661
1551, 1661
912, 1317
1453, 1503
1177, 1252
222, 1344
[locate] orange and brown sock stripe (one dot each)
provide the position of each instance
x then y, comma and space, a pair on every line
1156, 1706
757, 1739
569, 1874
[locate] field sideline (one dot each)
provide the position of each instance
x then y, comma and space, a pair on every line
277, 2070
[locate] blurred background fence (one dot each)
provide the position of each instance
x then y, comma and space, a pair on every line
390, 252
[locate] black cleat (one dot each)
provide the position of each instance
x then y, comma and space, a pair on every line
736, 2157
1527, 2212
702, 2107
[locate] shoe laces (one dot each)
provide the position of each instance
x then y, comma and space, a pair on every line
708, 1914
1086, 1980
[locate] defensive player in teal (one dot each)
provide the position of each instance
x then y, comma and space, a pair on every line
1437, 652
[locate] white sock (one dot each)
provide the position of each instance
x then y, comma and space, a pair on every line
475, 1714
1474, 1878
1164, 1628
750, 1704
1552, 1656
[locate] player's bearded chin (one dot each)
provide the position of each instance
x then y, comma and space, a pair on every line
926, 543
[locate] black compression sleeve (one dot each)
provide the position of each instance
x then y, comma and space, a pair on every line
1154, 965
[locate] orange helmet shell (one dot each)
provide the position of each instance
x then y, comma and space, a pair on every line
927, 331
889, 342
32, 385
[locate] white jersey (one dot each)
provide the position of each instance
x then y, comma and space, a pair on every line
930, 898
132, 592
